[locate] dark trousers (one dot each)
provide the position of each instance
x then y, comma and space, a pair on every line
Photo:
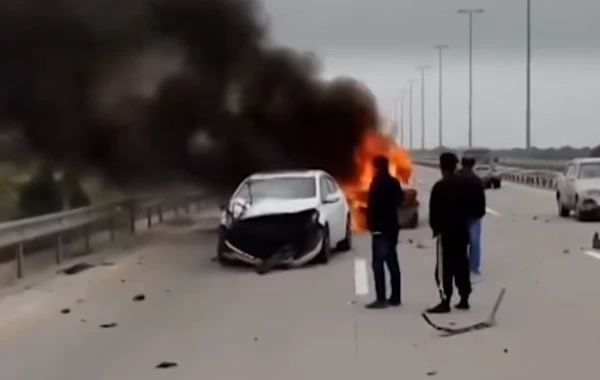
384, 254
452, 265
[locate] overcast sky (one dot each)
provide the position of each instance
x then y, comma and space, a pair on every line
381, 41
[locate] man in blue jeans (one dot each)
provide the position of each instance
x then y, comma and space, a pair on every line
385, 197
476, 212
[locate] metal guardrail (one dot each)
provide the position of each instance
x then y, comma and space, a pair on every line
55, 226
545, 179
555, 165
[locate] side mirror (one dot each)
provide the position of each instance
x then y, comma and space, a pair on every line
331, 198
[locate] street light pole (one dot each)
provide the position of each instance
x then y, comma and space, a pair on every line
410, 114
422, 68
403, 93
528, 107
470, 13
440, 48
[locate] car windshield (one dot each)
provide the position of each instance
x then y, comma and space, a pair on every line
279, 188
589, 170
482, 168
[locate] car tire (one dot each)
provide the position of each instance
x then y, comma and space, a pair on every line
325, 252
221, 247
497, 184
346, 244
413, 221
563, 212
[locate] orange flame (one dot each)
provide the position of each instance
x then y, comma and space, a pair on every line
357, 189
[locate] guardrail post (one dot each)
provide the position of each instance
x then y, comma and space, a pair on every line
131, 206
111, 228
149, 216
160, 214
20, 261
59, 248
86, 237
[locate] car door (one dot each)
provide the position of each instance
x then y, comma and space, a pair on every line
570, 182
338, 209
327, 209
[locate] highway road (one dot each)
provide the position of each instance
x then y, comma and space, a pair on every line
217, 323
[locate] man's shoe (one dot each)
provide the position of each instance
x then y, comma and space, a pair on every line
376, 305
394, 302
441, 308
463, 305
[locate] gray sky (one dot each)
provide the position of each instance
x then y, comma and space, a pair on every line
381, 41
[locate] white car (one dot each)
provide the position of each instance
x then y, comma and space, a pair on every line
578, 189
284, 219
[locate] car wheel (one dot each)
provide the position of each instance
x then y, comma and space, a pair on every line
221, 247
413, 221
325, 253
497, 184
346, 244
563, 212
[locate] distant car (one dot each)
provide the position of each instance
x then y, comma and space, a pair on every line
578, 189
490, 178
284, 219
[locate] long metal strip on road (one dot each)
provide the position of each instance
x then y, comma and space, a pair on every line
217, 323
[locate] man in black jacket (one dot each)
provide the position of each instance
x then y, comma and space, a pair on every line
448, 215
385, 197
476, 212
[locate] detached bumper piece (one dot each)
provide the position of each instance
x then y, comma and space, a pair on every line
272, 240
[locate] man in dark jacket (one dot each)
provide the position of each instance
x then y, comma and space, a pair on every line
385, 197
448, 214
477, 208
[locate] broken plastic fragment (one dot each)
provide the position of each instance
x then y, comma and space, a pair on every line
166, 365
139, 298
108, 325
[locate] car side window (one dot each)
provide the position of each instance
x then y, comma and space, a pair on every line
331, 187
323, 187
571, 171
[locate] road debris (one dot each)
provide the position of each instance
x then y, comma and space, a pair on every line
76, 268
410, 241
83, 321
506, 350
108, 325
166, 365
535, 218
139, 298
65, 311
421, 245
451, 331
431, 373
566, 251
107, 264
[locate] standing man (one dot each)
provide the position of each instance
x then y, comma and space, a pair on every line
448, 214
476, 213
385, 196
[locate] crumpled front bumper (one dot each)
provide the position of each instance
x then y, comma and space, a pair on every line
296, 238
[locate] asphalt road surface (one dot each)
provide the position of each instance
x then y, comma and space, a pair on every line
217, 323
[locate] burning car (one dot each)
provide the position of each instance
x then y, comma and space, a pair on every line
284, 219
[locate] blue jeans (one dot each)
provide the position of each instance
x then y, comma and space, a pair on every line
475, 244
385, 254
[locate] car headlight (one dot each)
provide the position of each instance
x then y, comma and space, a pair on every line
314, 217
226, 219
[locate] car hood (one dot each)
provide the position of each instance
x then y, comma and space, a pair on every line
588, 184
278, 206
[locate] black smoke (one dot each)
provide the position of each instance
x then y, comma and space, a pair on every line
159, 90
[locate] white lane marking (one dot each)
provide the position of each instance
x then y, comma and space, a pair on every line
361, 279
492, 212
593, 254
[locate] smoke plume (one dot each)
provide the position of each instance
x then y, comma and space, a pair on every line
158, 90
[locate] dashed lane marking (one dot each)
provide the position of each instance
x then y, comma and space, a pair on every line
492, 212
593, 254
361, 279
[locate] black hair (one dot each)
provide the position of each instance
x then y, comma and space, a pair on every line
448, 162
381, 163
467, 162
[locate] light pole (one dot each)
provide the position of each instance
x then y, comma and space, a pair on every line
410, 113
422, 68
402, 94
528, 107
470, 13
440, 48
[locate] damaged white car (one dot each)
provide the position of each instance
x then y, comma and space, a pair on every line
284, 219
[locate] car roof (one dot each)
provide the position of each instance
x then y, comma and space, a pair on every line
287, 174
585, 160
